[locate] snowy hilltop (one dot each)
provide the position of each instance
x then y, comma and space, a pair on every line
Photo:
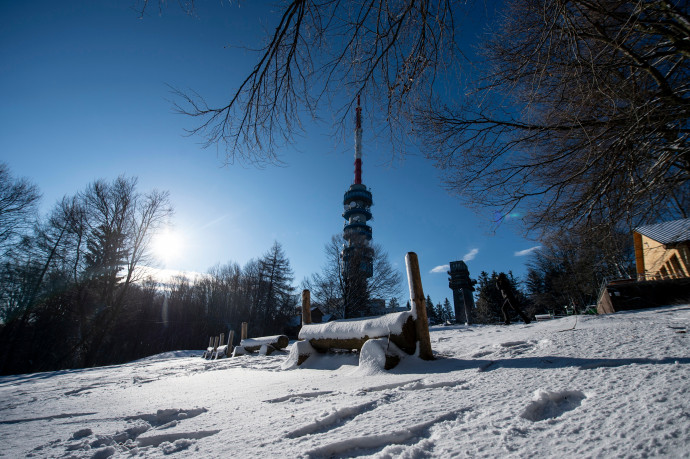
579, 386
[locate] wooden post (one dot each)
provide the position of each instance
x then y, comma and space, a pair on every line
221, 340
215, 344
244, 331
231, 336
414, 279
306, 307
209, 349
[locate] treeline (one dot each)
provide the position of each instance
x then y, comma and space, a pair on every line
438, 313
73, 292
260, 293
565, 275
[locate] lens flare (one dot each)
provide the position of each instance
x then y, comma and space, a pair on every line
167, 245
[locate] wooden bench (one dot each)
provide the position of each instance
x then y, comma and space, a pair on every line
541, 317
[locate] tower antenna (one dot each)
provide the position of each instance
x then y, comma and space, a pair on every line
358, 143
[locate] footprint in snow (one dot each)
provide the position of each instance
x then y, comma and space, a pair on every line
548, 405
481, 354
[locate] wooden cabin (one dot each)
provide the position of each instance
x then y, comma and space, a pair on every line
662, 258
662, 250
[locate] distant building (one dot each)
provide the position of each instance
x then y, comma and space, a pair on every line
662, 251
316, 315
377, 306
459, 281
357, 255
295, 322
662, 259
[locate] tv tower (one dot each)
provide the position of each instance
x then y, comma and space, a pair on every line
357, 256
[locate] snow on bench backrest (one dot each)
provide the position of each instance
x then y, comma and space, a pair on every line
274, 340
372, 327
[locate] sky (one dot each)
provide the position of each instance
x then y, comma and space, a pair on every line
85, 95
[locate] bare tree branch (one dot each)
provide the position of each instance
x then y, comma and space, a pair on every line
596, 124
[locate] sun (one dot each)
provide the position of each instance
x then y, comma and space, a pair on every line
167, 245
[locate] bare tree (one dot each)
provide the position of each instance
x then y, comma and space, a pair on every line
569, 271
110, 227
18, 199
394, 50
582, 116
351, 298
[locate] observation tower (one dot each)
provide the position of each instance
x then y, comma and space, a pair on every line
357, 256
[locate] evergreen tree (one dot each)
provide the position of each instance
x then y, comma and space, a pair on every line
276, 294
439, 313
489, 299
448, 311
431, 311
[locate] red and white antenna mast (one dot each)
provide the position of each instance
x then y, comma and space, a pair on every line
358, 144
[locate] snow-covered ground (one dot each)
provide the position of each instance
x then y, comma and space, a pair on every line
587, 386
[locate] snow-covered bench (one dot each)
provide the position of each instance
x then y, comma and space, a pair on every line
397, 329
390, 336
266, 345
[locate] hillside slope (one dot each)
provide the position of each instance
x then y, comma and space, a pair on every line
606, 386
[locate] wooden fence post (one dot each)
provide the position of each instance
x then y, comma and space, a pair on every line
306, 307
231, 335
221, 340
414, 279
244, 331
210, 346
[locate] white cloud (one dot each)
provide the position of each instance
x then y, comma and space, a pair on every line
469, 256
522, 253
440, 269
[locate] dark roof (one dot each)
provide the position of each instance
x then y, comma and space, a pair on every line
667, 232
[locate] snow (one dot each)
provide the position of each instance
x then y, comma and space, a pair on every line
579, 386
373, 327
372, 356
258, 342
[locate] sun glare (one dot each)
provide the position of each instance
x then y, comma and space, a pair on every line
167, 246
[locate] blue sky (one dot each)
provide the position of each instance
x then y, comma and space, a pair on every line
85, 96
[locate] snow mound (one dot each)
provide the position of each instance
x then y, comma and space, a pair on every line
177, 445
299, 348
374, 355
547, 405
170, 355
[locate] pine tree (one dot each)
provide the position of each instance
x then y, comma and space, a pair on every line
489, 299
448, 311
276, 294
431, 311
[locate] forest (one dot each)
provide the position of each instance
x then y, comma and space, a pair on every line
74, 293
